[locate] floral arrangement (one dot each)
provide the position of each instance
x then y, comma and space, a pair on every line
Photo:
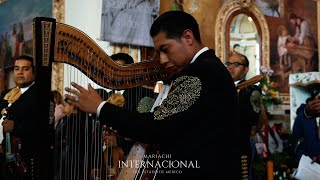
269, 87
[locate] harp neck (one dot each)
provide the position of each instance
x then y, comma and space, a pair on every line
57, 42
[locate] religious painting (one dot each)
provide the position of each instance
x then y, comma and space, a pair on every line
3, 1
128, 21
269, 7
204, 11
293, 40
196, 8
16, 27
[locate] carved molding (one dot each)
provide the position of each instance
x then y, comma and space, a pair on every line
58, 12
246, 3
57, 77
220, 28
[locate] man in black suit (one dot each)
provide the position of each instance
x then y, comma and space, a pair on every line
20, 121
135, 94
249, 106
191, 122
132, 97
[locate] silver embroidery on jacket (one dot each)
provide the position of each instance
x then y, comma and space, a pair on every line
256, 101
185, 91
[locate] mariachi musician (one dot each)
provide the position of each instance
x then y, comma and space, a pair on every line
250, 107
18, 119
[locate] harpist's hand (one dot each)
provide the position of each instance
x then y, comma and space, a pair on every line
8, 125
85, 100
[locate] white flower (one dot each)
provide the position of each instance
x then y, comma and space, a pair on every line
263, 69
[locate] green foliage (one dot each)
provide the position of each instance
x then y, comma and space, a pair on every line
269, 87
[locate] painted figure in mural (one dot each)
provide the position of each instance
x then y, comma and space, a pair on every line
303, 44
269, 7
303, 33
283, 40
2, 81
6, 51
236, 48
124, 22
19, 41
2, 50
13, 40
176, 5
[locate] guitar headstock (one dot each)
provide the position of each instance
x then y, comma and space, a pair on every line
249, 82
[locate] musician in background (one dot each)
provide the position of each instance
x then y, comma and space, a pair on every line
249, 106
132, 95
20, 105
182, 124
307, 128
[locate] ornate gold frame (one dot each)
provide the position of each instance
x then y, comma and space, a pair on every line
220, 28
58, 12
3, 1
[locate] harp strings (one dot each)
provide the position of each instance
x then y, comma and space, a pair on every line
86, 155
91, 148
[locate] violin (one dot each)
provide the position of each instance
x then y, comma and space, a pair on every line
13, 164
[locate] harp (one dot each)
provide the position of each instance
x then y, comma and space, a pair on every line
57, 42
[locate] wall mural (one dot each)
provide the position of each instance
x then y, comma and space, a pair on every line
128, 22
269, 7
293, 39
16, 27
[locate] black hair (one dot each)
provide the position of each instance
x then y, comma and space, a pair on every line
309, 99
56, 97
236, 45
122, 56
27, 58
315, 91
245, 59
278, 127
293, 16
174, 23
